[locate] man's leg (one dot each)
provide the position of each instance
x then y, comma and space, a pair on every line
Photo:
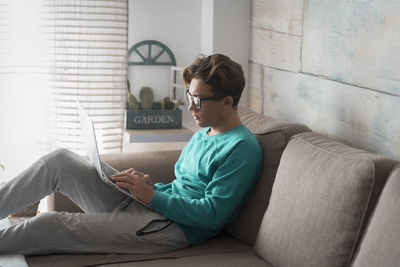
59, 171
113, 232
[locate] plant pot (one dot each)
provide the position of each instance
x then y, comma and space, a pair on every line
153, 119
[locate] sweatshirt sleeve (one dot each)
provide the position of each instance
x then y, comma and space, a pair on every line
227, 190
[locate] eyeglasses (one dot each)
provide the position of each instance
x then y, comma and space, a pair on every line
197, 100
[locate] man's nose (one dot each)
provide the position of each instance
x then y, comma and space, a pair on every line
191, 106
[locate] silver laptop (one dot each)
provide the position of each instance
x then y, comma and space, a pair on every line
104, 170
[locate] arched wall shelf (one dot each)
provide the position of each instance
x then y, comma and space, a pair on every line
148, 59
143, 53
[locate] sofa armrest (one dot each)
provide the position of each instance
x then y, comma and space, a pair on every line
158, 164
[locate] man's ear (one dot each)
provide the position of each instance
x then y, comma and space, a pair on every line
228, 101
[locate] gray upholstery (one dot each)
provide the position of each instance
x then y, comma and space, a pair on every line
381, 244
273, 136
323, 192
240, 259
318, 192
220, 245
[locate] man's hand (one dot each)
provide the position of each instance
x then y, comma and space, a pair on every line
135, 182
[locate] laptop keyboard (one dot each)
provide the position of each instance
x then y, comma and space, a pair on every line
108, 171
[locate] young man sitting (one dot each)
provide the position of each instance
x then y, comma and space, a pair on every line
214, 176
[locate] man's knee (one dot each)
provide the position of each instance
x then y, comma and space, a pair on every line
61, 153
60, 156
46, 220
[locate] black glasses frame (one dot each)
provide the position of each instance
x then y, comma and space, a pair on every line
197, 100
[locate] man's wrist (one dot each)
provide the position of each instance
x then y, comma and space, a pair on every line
149, 196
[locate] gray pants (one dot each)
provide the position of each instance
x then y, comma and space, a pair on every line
110, 224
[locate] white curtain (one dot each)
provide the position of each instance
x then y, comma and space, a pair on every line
53, 52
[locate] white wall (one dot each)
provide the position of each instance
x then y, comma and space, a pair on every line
177, 24
226, 30
188, 28
232, 32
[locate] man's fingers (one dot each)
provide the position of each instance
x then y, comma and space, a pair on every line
122, 173
124, 185
127, 179
131, 170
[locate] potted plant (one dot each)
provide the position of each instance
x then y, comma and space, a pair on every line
148, 114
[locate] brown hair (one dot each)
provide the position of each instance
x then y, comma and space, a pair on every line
224, 75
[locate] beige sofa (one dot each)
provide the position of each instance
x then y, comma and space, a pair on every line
318, 202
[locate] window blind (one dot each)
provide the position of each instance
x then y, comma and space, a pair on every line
89, 57
53, 52
25, 83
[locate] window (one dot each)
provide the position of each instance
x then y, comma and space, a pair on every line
51, 53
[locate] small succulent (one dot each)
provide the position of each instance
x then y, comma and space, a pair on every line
132, 101
178, 103
147, 100
167, 103
146, 97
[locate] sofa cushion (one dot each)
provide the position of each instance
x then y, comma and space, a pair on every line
381, 246
273, 136
323, 194
247, 258
221, 244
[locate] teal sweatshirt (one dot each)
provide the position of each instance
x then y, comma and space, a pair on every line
214, 176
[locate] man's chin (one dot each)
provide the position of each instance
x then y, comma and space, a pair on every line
200, 124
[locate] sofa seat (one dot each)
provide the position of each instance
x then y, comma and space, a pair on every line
235, 245
216, 248
311, 206
240, 259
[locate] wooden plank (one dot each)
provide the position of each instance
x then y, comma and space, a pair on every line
356, 42
366, 118
255, 87
274, 49
278, 15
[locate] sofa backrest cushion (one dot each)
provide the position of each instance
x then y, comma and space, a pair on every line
381, 243
273, 136
146, 162
323, 193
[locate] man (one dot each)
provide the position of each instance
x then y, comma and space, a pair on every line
214, 175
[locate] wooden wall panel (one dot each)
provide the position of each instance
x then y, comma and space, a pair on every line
278, 15
275, 49
356, 42
366, 118
255, 87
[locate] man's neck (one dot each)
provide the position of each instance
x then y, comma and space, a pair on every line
228, 124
